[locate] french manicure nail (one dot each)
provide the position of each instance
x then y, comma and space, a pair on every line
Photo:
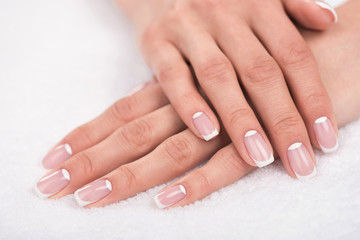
170, 196
93, 192
52, 184
204, 126
258, 149
301, 161
325, 135
57, 156
328, 7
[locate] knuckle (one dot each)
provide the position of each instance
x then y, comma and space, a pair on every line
316, 98
168, 72
138, 133
295, 53
86, 163
285, 121
237, 116
215, 68
124, 109
179, 149
127, 176
202, 180
178, 10
261, 69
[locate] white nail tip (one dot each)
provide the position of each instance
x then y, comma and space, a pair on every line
321, 120
329, 150
250, 133
328, 7
68, 149
40, 194
265, 163
158, 203
196, 115
311, 175
295, 146
82, 203
211, 135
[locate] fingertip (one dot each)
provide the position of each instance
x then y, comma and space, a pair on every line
331, 13
316, 15
205, 127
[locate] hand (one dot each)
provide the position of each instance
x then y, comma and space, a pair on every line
256, 41
117, 147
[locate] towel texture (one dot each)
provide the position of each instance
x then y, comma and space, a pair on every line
61, 64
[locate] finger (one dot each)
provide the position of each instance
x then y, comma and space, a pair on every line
218, 79
303, 78
317, 15
224, 168
126, 144
172, 71
172, 158
263, 81
95, 131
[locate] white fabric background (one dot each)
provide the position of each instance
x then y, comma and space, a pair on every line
61, 64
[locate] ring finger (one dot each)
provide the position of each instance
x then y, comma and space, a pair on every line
267, 90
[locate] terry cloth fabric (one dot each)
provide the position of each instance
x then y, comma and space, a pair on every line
64, 62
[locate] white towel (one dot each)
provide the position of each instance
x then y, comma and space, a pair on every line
62, 63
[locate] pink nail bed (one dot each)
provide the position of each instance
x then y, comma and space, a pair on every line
52, 183
93, 192
257, 148
170, 196
205, 127
325, 135
57, 156
329, 8
301, 161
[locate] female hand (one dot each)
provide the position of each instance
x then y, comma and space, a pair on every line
103, 149
133, 147
257, 42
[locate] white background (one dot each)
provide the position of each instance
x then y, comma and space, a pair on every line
61, 64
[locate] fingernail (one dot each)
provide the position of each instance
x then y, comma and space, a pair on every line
301, 161
325, 135
204, 126
170, 196
139, 87
57, 156
93, 192
52, 184
328, 7
258, 149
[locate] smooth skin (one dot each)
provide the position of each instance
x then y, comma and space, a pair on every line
140, 141
238, 48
